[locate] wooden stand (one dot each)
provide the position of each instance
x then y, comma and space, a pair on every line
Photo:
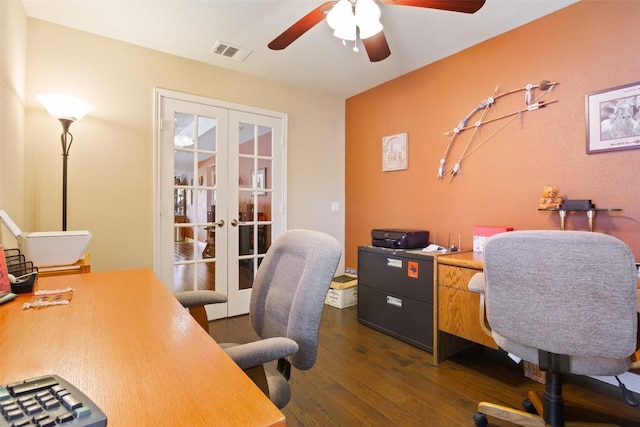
80, 267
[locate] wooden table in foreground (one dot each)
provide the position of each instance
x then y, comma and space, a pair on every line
127, 343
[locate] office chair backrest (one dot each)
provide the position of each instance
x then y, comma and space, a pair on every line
566, 292
290, 288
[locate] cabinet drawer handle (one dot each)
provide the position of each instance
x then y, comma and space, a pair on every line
394, 301
391, 262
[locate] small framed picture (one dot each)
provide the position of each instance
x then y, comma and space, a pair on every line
394, 152
613, 119
258, 181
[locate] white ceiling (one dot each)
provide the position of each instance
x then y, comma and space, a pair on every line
317, 60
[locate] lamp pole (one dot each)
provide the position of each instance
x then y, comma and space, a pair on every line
67, 109
66, 139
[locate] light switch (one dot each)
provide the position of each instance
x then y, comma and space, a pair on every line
335, 206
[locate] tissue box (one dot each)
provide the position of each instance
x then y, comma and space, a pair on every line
481, 234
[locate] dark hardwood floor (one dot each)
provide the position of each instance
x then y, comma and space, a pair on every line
365, 378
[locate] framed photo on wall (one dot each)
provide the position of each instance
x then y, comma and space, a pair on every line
394, 152
613, 119
259, 182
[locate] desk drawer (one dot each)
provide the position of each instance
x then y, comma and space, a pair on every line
403, 318
459, 315
455, 277
396, 273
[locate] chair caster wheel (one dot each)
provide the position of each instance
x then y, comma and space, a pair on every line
480, 419
528, 406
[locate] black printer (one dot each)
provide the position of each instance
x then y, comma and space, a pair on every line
399, 238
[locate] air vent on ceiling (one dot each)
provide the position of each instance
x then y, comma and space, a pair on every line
234, 52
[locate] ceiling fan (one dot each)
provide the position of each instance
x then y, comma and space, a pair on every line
360, 19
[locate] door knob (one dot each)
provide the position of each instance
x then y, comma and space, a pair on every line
220, 223
234, 222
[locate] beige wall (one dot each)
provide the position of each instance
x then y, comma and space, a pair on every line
13, 32
110, 164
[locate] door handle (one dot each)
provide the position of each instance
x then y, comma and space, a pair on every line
220, 223
234, 222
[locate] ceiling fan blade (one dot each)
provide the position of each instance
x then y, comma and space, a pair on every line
301, 26
377, 47
464, 6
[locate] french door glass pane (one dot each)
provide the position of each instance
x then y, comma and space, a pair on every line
194, 201
265, 146
246, 272
207, 134
255, 160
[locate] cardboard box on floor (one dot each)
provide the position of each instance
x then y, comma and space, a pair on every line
343, 291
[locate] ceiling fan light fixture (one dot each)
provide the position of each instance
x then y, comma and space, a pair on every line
348, 32
342, 20
370, 29
367, 11
367, 17
340, 15
183, 141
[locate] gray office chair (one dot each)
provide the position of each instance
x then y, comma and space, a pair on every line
565, 300
285, 309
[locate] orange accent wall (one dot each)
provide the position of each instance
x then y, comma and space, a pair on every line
586, 47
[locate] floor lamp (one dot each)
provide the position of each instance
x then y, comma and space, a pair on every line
67, 109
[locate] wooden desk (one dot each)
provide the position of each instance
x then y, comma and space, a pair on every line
80, 267
127, 343
458, 309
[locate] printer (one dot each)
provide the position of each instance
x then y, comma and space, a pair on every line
399, 238
48, 248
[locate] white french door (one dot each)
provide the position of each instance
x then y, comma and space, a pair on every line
220, 196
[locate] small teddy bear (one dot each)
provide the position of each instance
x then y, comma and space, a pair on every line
549, 199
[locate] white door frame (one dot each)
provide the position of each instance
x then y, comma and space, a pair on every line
166, 271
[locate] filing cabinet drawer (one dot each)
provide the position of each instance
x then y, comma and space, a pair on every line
401, 317
397, 272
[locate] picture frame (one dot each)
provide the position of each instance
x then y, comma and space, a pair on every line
259, 182
394, 152
613, 119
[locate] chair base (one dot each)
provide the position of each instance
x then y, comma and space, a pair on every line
523, 418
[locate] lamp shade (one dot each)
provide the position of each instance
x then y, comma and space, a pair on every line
63, 106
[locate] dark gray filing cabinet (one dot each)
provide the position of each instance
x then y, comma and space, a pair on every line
395, 293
